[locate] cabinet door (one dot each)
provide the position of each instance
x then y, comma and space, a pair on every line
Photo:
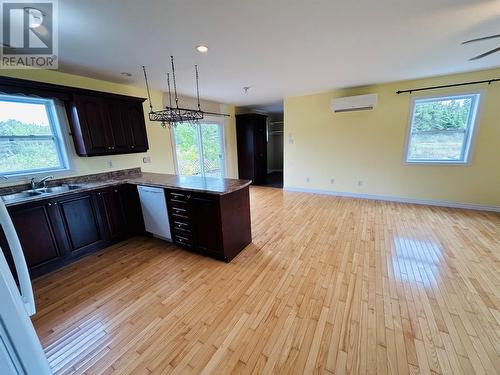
120, 129
135, 116
36, 234
206, 222
93, 118
112, 212
78, 215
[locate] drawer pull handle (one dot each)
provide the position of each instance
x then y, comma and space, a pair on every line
178, 201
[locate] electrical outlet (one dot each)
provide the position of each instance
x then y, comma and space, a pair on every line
308, 179
360, 183
332, 181
290, 139
146, 159
110, 163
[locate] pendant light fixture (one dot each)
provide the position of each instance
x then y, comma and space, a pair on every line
172, 114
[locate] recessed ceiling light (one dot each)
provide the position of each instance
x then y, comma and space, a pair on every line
126, 74
202, 48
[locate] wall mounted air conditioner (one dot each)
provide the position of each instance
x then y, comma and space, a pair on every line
354, 103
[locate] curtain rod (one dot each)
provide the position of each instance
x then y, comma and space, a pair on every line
488, 81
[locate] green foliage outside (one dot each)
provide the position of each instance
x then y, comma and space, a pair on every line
18, 155
441, 115
188, 155
438, 131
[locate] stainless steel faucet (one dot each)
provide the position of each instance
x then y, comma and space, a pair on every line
42, 182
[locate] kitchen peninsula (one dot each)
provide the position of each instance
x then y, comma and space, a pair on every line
84, 214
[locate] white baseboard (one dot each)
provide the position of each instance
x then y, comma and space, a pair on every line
466, 206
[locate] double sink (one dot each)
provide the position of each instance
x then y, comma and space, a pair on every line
45, 191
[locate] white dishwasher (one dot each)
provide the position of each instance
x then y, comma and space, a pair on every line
154, 211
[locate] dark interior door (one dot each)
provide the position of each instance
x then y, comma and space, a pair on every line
245, 146
260, 152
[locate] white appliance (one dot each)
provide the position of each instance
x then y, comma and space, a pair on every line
154, 211
20, 348
354, 103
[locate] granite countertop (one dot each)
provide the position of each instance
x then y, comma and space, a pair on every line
188, 183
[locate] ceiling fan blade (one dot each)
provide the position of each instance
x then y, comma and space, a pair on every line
481, 39
485, 54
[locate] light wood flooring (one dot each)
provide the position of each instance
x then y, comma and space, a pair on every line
329, 285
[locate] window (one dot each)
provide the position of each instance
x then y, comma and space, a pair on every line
441, 129
199, 149
30, 137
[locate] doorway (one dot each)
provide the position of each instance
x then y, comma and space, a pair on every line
275, 150
199, 149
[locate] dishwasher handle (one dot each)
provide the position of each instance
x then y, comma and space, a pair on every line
150, 189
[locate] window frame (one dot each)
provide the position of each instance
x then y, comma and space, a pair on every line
57, 123
470, 134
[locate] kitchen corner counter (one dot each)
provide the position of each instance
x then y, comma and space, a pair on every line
212, 185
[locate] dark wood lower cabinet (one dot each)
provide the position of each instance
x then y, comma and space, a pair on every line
55, 232
211, 224
79, 219
41, 240
112, 212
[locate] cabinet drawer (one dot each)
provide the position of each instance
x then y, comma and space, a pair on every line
185, 240
182, 226
178, 197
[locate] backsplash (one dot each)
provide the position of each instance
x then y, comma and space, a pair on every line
76, 179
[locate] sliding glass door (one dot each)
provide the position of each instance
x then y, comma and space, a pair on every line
199, 149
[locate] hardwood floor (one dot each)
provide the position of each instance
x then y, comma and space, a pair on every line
329, 285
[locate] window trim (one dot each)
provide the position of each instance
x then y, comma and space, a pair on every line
467, 148
57, 123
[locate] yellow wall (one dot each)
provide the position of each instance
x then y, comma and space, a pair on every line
369, 146
160, 146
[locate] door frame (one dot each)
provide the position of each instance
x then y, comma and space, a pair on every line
211, 120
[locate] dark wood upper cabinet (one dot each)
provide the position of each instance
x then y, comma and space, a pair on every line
135, 123
251, 135
120, 129
101, 123
103, 126
90, 126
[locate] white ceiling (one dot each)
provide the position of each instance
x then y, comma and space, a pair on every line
279, 47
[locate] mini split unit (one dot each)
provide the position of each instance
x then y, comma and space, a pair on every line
354, 103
